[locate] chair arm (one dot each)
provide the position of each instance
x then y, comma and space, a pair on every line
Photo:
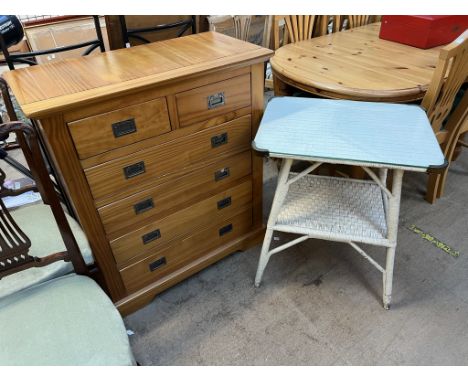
7, 100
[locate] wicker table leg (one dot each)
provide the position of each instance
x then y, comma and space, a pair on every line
278, 200
392, 231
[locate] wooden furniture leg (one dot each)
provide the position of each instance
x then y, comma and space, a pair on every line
280, 88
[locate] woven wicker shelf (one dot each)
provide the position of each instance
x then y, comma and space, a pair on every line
335, 208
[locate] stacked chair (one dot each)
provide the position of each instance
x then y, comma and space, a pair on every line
448, 123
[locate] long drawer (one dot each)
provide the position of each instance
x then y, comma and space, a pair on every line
163, 199
121, 176
183, 223
104, 132
163, 262
208, 101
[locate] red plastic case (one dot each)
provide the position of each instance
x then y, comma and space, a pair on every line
423, 31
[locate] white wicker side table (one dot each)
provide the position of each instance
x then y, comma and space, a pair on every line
370, 135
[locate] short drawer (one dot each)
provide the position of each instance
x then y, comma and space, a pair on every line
183, 223
104, 132
208, 101
121, 176
163, 262
167, 197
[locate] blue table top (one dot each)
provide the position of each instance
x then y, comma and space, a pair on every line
340, 131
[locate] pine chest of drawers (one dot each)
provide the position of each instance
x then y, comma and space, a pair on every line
153, 147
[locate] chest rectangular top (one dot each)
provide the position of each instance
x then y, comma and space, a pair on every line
354, 132
47, 88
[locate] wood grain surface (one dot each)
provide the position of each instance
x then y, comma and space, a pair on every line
168, 197
68, 83
183, 222
356, 64
138, 275
173, 157
95, 135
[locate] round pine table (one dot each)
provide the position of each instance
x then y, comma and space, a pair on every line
355, 64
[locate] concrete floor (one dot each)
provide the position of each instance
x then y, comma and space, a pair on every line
320, 302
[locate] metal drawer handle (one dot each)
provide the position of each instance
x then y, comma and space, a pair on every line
151, 236
219, 140
216, 100
134, 170
223, 203
224, 230
157, 264
124, 127
221, 174
143, 206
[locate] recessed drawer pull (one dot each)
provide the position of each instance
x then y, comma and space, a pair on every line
143, 206
157, 264
134, 170
226, 202
124, 127
224, 230
219, 140
221, 174
151, 236
216, 100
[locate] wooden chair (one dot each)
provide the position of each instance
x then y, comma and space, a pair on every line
358, 20
64, 321
329, 24
450, 74
46, 237
12, 117
296, 28
457, 127
241, 25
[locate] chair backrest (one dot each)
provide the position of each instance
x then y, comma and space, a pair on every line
358, 20
293, 28
242, 27
456, 126
137, 34
14, 244
296, 28
12, 116
328, 24
449, 75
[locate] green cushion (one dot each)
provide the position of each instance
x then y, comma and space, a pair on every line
37, 221
65, 321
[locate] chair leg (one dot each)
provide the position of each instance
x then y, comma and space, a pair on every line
441, 186
433, 185
280, 196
